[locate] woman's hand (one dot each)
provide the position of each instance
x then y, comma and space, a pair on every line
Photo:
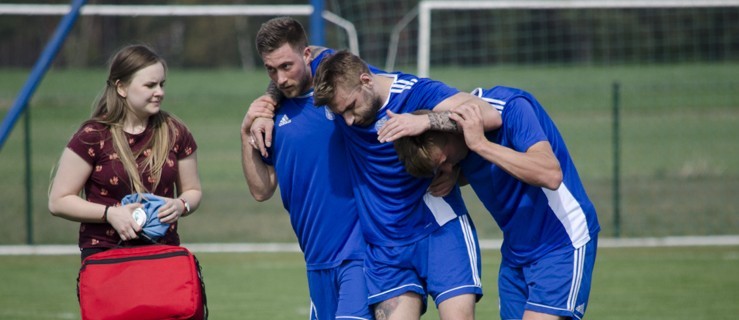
171, 211
121, 218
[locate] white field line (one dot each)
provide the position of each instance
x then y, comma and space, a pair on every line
485, 244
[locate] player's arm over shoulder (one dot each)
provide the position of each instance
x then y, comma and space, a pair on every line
316, 50
491, 117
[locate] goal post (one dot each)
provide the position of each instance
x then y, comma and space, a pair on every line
426, 7
186, 10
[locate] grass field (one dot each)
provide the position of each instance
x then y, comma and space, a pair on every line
679, 155
680, 169
666, 283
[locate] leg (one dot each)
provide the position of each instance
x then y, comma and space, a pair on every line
396, 290
458, 308
563, 279
405, 306
454, 269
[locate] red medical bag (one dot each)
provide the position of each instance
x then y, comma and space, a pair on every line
144, 283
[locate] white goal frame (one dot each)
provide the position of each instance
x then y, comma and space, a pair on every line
426, 6
185, 10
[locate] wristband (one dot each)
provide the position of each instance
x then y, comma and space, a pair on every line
187, 206
105, 214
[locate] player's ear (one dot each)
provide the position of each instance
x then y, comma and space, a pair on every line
365, 79
306, 54
442, 157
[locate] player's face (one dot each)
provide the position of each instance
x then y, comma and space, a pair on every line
358, 106
288, 69
145, 93
446, 158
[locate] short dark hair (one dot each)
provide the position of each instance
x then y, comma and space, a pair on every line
274, 33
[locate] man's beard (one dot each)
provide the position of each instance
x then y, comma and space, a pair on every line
297, 89
367, 118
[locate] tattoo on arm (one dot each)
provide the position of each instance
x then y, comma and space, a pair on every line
440, 121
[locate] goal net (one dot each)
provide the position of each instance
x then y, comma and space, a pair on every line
572, 32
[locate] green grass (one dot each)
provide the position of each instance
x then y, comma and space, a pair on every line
679, 156
689, 283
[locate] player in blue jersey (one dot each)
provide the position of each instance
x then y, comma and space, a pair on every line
307, 160
524, 175
419, 245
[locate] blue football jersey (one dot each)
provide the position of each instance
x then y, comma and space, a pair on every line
394, 207
534, 220
312, 171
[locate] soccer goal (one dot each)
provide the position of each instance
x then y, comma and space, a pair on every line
186, 11
565, 31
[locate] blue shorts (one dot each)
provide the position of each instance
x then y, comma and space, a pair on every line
443, 265
557, 284
339, 293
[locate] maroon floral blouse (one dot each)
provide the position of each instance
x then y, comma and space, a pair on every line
109, 182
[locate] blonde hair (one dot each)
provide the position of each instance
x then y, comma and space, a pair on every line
414, 152
111, 108
343, 68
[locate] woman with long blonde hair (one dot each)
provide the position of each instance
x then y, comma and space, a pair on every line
129, 145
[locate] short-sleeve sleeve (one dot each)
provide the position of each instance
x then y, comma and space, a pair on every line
184, 143
522, 124
427, 94
88, 142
